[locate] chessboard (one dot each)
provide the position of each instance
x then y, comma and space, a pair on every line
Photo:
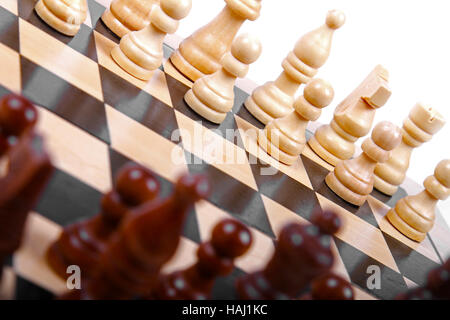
95, 118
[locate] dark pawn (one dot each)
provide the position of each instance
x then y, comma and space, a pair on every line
331, 287
17, 116
81, 243
230, 239
147, 238
29, 169
302, 253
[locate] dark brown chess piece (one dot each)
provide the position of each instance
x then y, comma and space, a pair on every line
436, 288
81, 243
29, 169
17, 116
146, 239
330, 286
230, 239
302, 253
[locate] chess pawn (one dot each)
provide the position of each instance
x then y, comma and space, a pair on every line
65, 16
353, 119
275, 99
420, 126
414, 215
330, 287
230, 239
28, 172
302, 253
141, 52
82, 243
201, 53
147, 238
212, 96
17, 117
353, 179
125, 16
284, 138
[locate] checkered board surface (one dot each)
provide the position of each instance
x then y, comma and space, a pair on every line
95, 117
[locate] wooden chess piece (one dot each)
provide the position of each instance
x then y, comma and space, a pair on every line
82, 243
141, 52
212, 96
284, 138
275, 99
302, 253
65, 16
17, 117
420, 126
201, 53
353, 119
125, 16
414, 215
352, 180
331, 287
230, 239
29, 169
147, 238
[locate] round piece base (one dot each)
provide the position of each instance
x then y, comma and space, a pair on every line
129, 66
256, 111
384, 187
274, 151
200, 108
183, 66
114, 24
322, 152
404, 228
53, 21
342, 191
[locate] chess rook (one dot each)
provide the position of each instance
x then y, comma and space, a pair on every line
147, 239
353, 119
420, 126
353, 179
284, 138
82, 243
212, 96
230, 239
141, 52
302, 253
275, 99
65, 16
414, 215
125, 16
201, 53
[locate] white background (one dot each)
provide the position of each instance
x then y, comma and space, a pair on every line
411, 38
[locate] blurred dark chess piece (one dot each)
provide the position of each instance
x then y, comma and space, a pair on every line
82, 243
230, 239
436, 288
147, 238
302, 253
29, 169
17, 116
330, 286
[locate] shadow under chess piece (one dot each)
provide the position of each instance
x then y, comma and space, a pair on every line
302, 253
82, 243
146, 239
275, 99
352, 180
285, 138
65, 16
125, 16
212, 96
353, 119
17, 117
414, 215
420, 126
230, 239
201, 53
141, 52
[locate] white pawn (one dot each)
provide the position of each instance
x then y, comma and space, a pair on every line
212, 96
284, 138
141, 52
65, 16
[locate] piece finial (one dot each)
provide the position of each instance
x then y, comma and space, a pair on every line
442, 172
231, 238
176, 9
319, 93
386, 135
335, 19
246, 48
